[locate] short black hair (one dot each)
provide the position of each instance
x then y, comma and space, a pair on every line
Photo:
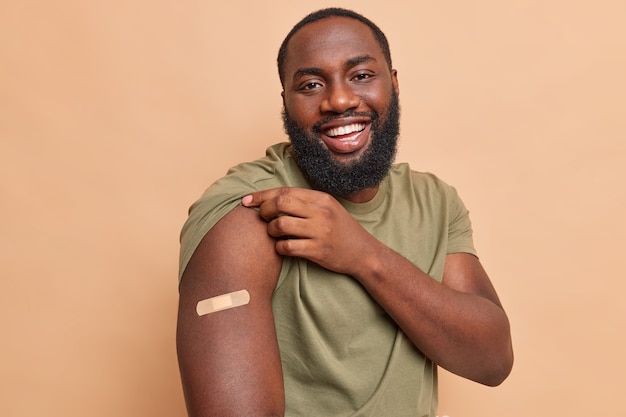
322, 14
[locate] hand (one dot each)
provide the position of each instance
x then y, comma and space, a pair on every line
312, 225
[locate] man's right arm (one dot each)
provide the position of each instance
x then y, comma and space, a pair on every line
229, 360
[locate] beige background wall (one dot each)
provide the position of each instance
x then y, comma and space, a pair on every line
115, 115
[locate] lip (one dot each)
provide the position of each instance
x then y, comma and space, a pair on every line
350, 142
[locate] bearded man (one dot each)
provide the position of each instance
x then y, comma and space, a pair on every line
323, 279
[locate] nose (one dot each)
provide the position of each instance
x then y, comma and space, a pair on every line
339, 99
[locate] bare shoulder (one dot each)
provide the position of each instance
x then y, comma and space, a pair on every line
236, 251
236, 347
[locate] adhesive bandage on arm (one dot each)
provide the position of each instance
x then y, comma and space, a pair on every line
223, 302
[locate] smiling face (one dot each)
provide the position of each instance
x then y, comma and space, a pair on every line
341, 111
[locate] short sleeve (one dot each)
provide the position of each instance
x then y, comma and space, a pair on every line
459, 227
217, 201
276, 169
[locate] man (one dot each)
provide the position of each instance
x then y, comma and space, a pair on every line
358, 277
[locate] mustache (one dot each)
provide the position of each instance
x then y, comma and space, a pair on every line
372, 115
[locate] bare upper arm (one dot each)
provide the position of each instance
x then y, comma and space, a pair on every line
229, 360
463, 272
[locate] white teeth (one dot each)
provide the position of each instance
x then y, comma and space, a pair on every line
345, 130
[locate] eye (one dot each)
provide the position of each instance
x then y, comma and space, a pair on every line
310, 86
362, 77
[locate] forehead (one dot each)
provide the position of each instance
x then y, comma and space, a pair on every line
331, 40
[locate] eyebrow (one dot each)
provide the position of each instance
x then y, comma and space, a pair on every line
307, 71
352, 62
359, 60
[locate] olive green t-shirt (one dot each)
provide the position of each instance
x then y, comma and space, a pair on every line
342, 355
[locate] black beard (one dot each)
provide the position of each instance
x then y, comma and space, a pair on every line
324, 173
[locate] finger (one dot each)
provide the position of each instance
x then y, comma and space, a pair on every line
295, 248
259, 197
277, 202
289, 227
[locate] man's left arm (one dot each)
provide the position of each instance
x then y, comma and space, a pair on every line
458, 323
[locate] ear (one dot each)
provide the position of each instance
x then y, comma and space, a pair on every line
394, 81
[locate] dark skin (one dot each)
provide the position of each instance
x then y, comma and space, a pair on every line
229, 361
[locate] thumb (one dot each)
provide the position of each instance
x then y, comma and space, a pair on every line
248, 200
